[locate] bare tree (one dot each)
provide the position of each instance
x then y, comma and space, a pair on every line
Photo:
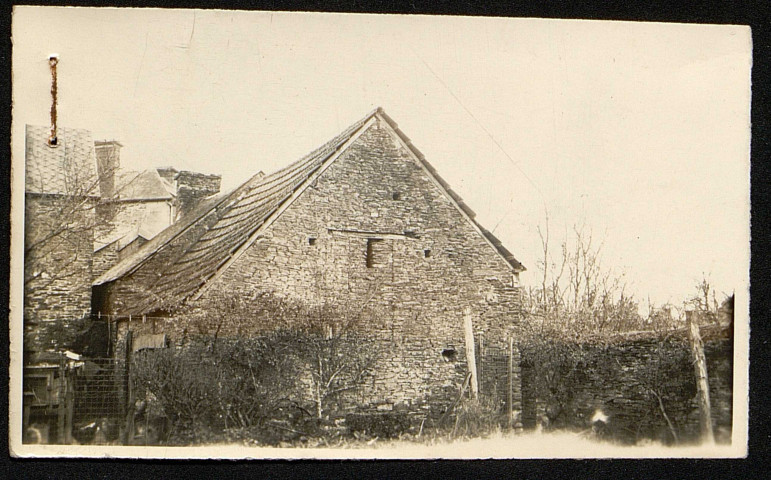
62, 222
332, 344
577, 295
338, 354
704, 301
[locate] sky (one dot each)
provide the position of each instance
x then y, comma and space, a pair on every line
638, 131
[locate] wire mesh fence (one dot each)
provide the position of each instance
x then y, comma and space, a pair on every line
69, 400
493, 369
98, 406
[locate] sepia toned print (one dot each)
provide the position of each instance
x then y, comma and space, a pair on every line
206, 270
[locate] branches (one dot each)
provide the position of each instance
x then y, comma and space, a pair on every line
327, 342
62, 219
577, 295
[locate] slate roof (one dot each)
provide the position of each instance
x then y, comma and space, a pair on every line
67, 169
145, 185
123, 237
233, 218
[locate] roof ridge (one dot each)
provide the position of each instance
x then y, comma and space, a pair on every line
339, 140
225, 226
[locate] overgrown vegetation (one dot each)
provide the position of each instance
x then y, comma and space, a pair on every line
281, 372
580, 321
264, 370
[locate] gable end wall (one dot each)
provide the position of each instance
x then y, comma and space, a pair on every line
421, 295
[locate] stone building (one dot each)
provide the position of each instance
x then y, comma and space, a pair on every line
83, 212
141, 204
364, 219
61, 191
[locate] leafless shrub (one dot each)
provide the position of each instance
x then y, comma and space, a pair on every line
270, 365
581, 320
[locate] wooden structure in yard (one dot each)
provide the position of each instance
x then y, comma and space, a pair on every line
702, 378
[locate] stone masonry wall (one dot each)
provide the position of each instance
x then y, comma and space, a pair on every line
427, 264
58, 272
105, 258
621, 379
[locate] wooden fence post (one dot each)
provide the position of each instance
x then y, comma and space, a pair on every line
62, 407
470, 354
510, 397
128, 428
70, 405
480, 353
702, 380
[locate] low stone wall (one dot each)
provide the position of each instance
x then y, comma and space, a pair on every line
635, 384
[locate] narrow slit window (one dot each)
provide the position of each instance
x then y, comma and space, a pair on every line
371, 251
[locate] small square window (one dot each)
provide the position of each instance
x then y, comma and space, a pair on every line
427, 252
396, 196
311, 241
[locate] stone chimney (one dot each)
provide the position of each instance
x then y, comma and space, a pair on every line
192, 187
168, 173
107, 164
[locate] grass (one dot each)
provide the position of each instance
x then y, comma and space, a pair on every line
495, 445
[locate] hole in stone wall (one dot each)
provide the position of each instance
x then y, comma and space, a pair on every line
449, 354
396, 196
427, 253
311, 241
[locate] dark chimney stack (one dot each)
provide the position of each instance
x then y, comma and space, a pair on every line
192, 187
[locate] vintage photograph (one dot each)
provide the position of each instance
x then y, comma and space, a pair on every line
245, 234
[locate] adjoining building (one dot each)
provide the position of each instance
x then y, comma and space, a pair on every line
82, 212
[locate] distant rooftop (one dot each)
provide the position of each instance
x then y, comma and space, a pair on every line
68, 168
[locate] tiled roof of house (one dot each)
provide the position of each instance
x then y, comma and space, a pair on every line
145, 185
66, 169
122, 238
234, 218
